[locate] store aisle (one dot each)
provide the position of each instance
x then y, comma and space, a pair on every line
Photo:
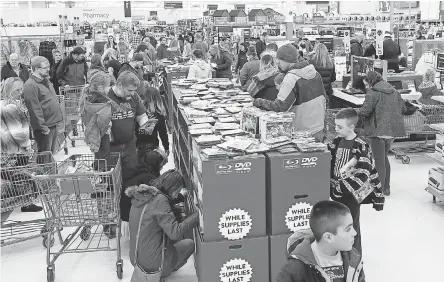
402, 243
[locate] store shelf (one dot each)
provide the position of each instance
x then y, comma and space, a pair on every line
435, 194
436, 157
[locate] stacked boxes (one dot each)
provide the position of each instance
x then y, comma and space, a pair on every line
295, 182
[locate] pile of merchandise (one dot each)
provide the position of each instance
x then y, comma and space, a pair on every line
225, 124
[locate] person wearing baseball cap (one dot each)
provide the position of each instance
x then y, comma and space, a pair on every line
301, 92
73, 70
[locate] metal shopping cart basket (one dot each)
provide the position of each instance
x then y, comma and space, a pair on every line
18, 189
73, 128
419, 124
84, 196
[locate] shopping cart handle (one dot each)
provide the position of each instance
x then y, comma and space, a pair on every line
302, 196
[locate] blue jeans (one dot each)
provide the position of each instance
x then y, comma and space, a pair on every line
380, 148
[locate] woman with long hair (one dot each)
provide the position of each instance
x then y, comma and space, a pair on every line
262, 84
111, 43
187, 49
148, 139
53, 71
152, 218
325, 67
96, 66
14, 135
181, 43
110, 62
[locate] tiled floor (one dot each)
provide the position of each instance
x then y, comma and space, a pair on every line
405, 242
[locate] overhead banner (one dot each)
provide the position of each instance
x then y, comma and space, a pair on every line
173, 4
101, 15
347, 41
379, 42
127, 8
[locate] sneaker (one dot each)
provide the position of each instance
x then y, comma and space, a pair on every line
110, 231
31, 208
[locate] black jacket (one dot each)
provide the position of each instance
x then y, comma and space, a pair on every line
223, 63
53, 76
328, 77
269, 92
115, 65
260, 47
241, 60
162, 52
391, 51
8, 72
370, 51
152, 140
356, 48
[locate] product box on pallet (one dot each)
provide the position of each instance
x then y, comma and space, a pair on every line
232, 194
295, 182
436, 179
439, 143
278, 254
244, 260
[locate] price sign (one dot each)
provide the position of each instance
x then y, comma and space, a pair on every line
379, 42
235, 224
236, 270
298, 217
347, 41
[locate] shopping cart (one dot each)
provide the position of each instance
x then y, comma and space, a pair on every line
18, 189
74, 129
416, 125
84, 195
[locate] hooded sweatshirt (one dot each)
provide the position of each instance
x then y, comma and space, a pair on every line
199, 70
382, 109
303, 93
157, 220
303, 267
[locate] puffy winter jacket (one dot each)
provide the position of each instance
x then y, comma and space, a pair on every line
157, 220
382, 109
303, 93
200, 69
328, 77
42, 103
249, 70
223, 69
15, 128
356, 48
241, 60
72, 73
302, 266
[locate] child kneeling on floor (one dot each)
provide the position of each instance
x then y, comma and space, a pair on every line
326, 253
353, 179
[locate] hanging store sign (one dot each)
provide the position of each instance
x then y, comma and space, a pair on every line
347, 41
239, 7
318, 19
127, 8
138, 18
379, 42
261, 20
299, 19
173, 5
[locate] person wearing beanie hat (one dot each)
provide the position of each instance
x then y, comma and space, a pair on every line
73, 70
301, 92
250, 68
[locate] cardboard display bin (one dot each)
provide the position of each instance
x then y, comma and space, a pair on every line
233, 194
231, 261
295, 182
278, 254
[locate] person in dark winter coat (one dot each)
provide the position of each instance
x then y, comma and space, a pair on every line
152, 206
382, 109
221, 62
135, 66
73, 70
370, 51
250, 68
13, 68
429, 89
261, 45
324, 66
262, 85
241, 57
356, 45
325, 254
53, 71
201, 45
162, 50
392, 51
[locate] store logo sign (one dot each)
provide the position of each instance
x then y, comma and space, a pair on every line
240, 167
298, 162
244, 167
